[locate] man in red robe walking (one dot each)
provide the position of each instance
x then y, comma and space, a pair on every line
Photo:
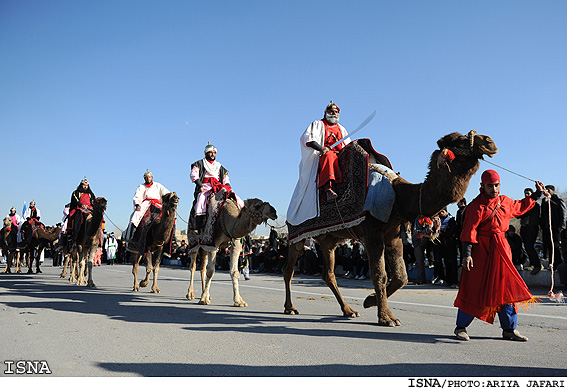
490, 283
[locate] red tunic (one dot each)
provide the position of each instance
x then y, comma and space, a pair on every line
493, 280
329, 162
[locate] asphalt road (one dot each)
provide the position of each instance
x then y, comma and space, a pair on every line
112, 331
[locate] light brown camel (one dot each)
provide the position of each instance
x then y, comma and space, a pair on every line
9, 245
446, 183
85, 245
232, 224
41, 238
158, 235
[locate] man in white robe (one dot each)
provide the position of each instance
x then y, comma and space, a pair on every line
314, 143
149, 193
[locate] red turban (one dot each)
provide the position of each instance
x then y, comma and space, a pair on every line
489, 177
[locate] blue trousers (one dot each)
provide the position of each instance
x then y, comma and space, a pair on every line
507, 316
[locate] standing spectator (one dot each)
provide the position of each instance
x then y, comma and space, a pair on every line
558, 224
360, 260
462, 205
342, 257
273, 239
408, 253
519, 254
422, 230
529, 229
446, 250
111, 245
244, 257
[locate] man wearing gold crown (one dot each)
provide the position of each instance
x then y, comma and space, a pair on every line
81, 200
319, 167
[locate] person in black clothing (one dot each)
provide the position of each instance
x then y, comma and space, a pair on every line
529, 229
273, 239
519, 254
462, 205
558, 224
446, 251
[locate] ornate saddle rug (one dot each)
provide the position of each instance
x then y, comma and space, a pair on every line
348, 209
151, 215
206, 239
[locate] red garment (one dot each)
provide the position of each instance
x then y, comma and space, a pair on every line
215, 184
493, 279
329, 162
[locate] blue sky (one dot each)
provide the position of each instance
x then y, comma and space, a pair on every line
108, 89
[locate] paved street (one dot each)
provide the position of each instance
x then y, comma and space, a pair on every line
112, 331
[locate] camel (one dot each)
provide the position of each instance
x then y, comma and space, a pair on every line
450, 170
232, 224
9, 245
41, 237
84, 246
158, 235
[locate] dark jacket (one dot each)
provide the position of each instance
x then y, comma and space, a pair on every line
558, 213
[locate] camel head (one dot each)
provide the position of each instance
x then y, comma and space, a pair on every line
472, 145
7, 222
99, 204
170, 200
260, 211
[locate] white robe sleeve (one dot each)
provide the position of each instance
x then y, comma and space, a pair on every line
139, 195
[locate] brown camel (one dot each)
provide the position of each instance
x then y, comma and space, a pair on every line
159, 234
41, 238
85, 245
446, 183
9, 245
231, 225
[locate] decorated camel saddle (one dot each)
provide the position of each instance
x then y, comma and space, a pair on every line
138, 243
205, 240
365, 187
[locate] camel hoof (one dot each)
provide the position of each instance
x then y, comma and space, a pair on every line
387, 323
155, 291
190, 296
91, 284
144, 283
292, 311
204, 301
240, 304
370, 301
38, 271
354, 314
29, 271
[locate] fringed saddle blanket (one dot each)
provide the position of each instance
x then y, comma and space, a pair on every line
348, 210
206, 240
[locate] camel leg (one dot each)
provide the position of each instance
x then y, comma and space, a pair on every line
135, 265
8, 269
82, 265
149, 268
65, 264
157, 256
376, 259
37, 263
18, 261
206, 297
192, 268
29, 261
73, 270
234, 274
288, 270
90, 263
328, 248
398, 275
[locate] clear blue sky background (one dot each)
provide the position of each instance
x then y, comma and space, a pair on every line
108, 89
